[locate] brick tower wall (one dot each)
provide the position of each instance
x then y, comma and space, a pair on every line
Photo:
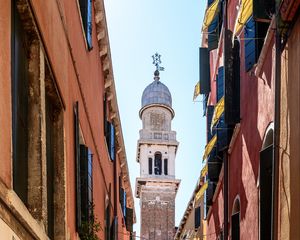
157, 211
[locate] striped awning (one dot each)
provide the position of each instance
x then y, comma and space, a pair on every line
219, 109
245, 11
209, 147
210, 13
201, 191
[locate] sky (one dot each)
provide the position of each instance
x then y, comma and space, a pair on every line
137, 30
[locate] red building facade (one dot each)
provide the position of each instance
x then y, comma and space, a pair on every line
239, 51
64, 172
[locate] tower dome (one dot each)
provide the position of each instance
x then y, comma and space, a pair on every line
156, 93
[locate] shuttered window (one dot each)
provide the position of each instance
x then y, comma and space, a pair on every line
86, 16
197, 217
235, 228
254, 33
129, 219
123, 201
204, 71
110, 140
205, 100
86, 183
232, 80
214, 29
265, 189
19, 106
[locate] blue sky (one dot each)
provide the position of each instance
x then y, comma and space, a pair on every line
138, 29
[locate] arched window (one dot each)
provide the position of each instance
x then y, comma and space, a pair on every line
235, 220
157, 163
265, 186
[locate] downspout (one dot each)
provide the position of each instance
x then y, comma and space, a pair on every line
225, 157
276, 140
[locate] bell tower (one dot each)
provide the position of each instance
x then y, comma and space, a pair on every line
156, 151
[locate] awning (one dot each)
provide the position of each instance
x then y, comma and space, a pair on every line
204, 170
219, 109
246, 9
209, 146
196, 91
201, 191
210, 14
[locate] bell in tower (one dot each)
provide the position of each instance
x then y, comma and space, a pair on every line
156, 151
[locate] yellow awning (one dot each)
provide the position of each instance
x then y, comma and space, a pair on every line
219, 109
196, 91
201, 191
210, 14
245, 12
209, 147
204, 170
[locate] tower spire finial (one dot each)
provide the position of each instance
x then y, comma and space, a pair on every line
156, 63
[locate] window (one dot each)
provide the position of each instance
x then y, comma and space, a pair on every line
150, 165
86, 17
235, 220
157, 164
265, 191
123, 201
86, 183
20, 106
197, 217
214, 29
110, 140
254, 33
232, 80
166, 166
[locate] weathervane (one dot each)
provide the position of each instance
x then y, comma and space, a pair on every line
156, 63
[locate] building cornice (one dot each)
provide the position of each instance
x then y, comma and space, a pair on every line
110, 90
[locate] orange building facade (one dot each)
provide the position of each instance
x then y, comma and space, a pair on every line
64, 172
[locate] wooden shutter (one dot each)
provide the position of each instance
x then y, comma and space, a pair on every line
224, 133
210, 193
84, 183
232, 80
235, 228
77, 166
112, 142
254, 34
90, 181
250, 44
214, 29
210, 112
20, 106
205, 100
197, 217
129, 219
204, 71
150, 165
86, 16
266, 187
220, 83
214, 168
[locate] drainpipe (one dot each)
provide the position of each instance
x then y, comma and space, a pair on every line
225, 157
276, 140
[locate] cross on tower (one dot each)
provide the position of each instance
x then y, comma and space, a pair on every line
157, 62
